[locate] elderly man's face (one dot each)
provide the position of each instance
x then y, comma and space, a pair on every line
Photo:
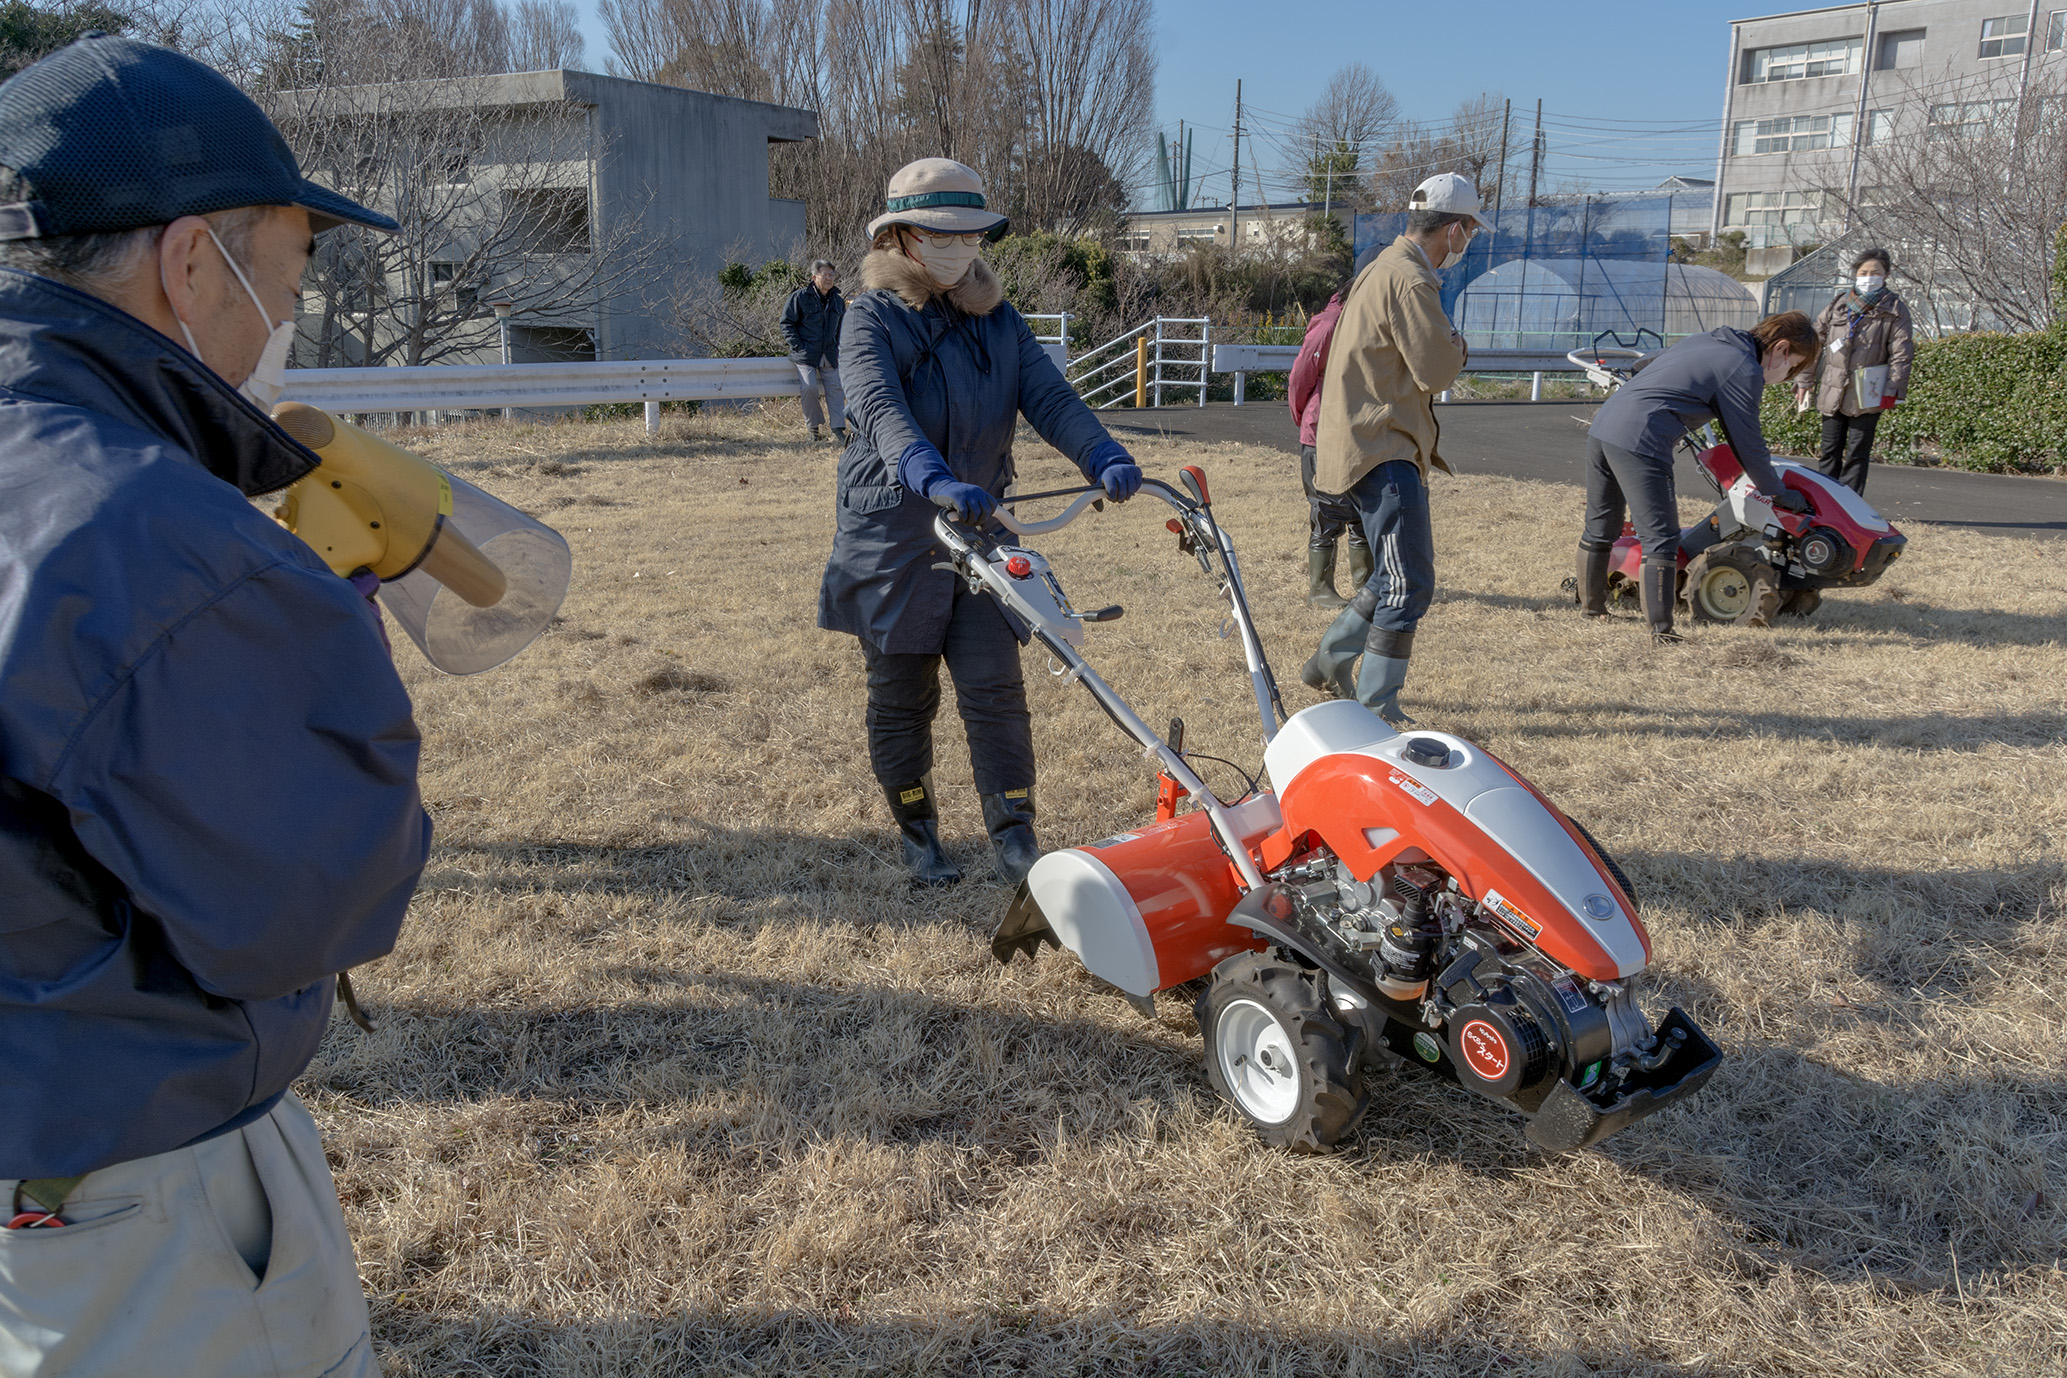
825, 279
204, 290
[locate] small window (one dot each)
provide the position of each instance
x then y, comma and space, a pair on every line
550, 344
2056, 31
1903, 48
1775, 208
1829, 58
549, 220
1880, 126
451, 279
1790, 134
1970, 119
2004, 37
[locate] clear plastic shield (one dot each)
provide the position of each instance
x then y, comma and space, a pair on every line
468, 624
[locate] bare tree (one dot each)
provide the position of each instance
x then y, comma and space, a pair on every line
1967, 186
545, 35
1354, 108
1475, 140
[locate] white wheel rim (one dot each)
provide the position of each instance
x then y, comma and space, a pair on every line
1257, 1062
1727, 592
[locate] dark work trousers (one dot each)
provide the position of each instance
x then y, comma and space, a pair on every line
1392, 503
1328, 517
982, 659
1848, 448
1617, 480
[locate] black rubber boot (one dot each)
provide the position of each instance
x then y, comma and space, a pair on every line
1360, 565
1008, 818
1660, 591
918, 824
1593, 581
1320, 579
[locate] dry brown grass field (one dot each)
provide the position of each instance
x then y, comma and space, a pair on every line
673, 1073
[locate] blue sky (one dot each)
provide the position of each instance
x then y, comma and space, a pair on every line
1630, 93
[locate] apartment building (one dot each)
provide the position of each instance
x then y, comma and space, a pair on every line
1809, 93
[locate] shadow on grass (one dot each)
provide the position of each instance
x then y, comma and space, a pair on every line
1000, 1340
1927, 732
1906, 616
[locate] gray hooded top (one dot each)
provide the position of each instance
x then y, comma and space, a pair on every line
208, 798
954, 369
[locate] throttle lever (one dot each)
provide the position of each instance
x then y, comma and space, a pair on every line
1111, 614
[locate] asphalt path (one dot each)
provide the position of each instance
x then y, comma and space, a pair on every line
1547, 441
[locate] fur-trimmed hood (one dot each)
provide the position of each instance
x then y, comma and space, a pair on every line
977, 294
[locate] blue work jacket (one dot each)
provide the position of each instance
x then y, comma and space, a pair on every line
956, 371
208, 800
1714, 376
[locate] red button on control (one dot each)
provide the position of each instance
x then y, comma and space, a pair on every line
1019, 566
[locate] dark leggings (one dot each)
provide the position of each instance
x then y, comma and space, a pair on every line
982, 659
1848, 448
1328, 517
1617, 480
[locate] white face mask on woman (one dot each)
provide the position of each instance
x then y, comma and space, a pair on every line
946, 258
1869, 283
269, 375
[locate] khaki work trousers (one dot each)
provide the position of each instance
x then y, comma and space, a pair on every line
226, 1259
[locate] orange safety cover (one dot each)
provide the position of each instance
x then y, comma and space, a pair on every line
1352, 802
1185, 887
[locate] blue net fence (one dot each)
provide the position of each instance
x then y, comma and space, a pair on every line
1548, 279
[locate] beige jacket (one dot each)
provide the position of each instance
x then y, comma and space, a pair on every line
1884, 336
1392, 351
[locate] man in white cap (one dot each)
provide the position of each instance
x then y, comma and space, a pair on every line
1393, 350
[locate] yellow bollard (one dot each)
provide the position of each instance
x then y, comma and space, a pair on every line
1141, 372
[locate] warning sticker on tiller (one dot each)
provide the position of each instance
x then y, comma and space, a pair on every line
1506, 912
1412, 786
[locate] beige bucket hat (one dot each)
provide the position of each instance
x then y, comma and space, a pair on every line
938, 194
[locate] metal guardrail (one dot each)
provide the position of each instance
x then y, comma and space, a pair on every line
1244, 359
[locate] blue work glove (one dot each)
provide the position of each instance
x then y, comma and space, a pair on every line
1111, 466
922, 470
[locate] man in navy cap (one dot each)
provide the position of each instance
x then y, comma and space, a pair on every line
208, 799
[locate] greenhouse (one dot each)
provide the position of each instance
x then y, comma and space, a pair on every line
1558, 304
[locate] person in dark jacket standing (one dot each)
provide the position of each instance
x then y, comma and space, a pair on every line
939, 370
1718, 376
208, 798
1331, 520
1864, 327
811, 324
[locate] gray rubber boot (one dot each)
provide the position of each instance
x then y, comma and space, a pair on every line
1384, 674
918, 826
1008, 818
1360, 565
1320, 579
1660, 591
1332, 667
1593, 581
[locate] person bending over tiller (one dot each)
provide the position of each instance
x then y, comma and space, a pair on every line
1718, 376
1392, 351
208, 798
939, 367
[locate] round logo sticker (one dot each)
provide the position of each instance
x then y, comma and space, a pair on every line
1430, 1050
1484, 1049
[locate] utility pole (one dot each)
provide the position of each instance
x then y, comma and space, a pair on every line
1536, 152
1184, 169
1234, 206
1500, 181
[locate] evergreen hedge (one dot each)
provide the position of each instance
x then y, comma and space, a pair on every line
1996, 403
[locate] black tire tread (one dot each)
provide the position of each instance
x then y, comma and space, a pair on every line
1333, 1098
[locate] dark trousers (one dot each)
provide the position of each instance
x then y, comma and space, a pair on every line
1391, 503
1848, 448
982, 659
1618, 481
1328, 517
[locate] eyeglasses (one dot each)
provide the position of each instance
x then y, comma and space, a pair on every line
941, 240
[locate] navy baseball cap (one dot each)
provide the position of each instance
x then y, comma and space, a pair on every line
112, 134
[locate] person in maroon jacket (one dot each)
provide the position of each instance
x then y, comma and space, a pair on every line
1329, 518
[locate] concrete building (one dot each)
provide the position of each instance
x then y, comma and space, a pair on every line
1261, 226
1806, 92
576, 201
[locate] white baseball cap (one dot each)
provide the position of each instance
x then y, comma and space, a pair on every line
1448, 192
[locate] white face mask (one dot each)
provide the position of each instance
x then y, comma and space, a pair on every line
946, 263
1455, 256
1869, 283
269, 375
